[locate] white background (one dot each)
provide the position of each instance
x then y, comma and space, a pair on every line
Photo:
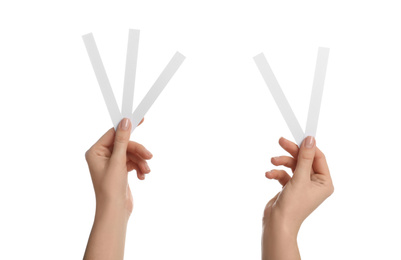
212, 131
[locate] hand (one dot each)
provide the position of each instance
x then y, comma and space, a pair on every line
109, 160
302, 193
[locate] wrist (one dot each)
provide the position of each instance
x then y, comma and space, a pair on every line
118, 201
278, 225
279, 240
107, 239
113, 209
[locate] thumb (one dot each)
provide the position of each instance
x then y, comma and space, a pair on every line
121, 140
305, 158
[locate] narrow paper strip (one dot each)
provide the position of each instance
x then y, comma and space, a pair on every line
102, 78
157, 88
279, 98
317, 91
130, 72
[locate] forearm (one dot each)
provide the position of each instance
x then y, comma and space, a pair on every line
107, 238
278, 242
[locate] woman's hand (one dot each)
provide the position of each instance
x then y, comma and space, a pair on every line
301, 194
110, 159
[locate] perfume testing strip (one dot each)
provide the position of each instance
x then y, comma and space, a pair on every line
102, 78
317, 91
129, 80
157, 88
130, 73
282, 102
279, 98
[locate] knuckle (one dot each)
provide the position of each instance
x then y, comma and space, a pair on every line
88, 154
133, 146
120, 139
331, 189
136, 146
140, 147
289, 162
307, 156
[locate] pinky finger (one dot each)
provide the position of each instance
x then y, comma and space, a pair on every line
131, 166
139, 173
280, 175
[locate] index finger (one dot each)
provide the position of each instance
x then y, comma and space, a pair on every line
319, 163
289, 146
106, 140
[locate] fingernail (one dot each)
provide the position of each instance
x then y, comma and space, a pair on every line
124, 125
309, 142
147, 168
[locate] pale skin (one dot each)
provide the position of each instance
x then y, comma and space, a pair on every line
301, 194
109, 161
113, 156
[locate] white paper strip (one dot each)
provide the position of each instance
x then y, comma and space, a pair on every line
102, 78
317, 92
279, 97
130, 72
157, 88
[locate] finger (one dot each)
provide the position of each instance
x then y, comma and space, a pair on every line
133, 166
121, 140
305, 158
106, 140
136, 148
102, 147
286, 161
320, 164
142, 164
280, 175
139, 173
289, 146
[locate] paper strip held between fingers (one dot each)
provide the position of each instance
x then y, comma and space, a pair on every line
102, 78
317, 92
130, 73
157, 88
279, 98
